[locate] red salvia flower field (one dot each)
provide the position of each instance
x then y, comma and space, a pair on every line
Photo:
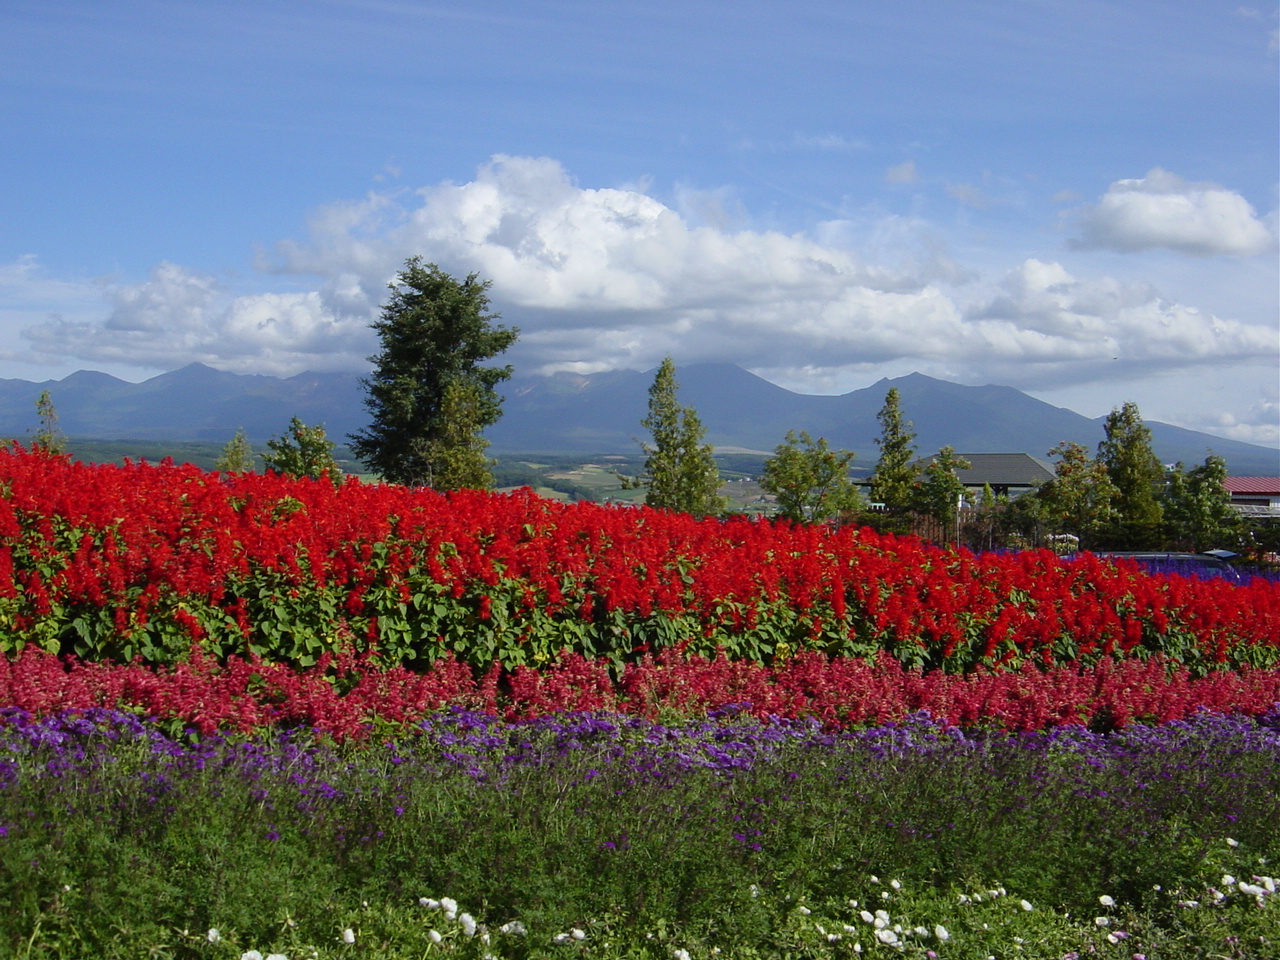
233, 599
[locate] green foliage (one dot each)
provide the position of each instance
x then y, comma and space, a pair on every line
1137, 474
810, 480
237, 456
48, 436
132, 851
458, 453
895, 473
1197, 507
682, 471
303, 452
1080, 499
428, 396
937, 494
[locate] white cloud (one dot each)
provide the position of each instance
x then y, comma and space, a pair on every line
904, 172
1163, 210
178, 316
598, 278
969, 195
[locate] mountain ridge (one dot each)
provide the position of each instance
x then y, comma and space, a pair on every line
596, 413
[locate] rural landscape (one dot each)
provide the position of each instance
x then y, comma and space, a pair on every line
548, 480
608, 711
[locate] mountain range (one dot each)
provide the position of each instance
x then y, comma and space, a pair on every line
596, 414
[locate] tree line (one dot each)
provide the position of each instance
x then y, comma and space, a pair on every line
431, 395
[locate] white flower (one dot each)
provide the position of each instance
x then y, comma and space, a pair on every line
214, 935
468, 924
857, 948
1025, 905
941, 933
886, 936
833, 937
896, 884
1188, 903
513, 927
681, 954
578, 934
1102, 921
1252, 889
1232, 843
429, 903
450, 907
880, 923
804, 910
1106, 901
560, 938
276, 956
348, 935
251, 955
434, 936
921, 931
884, 894
883, 915
853, 904
1228, 880
874, 878
866, 916
1112, 938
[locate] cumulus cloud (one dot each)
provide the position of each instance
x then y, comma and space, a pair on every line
1058, 319
1163, 210
600, 278
178, 316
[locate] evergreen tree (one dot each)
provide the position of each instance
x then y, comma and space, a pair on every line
895, 472
681, 469
237, 456
435, 331
1137, 475
457, 455
810, 480
1197, 508
49, 436
303, 452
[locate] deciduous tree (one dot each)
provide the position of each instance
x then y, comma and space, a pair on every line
938, 491
1197, 506
303, 452
49, 436
237, 456
810, 480
1080, 499
429, 395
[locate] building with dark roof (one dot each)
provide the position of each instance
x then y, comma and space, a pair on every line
1009, 474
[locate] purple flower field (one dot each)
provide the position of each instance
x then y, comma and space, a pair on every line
606, 823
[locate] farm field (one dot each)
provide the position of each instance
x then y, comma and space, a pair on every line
245, 715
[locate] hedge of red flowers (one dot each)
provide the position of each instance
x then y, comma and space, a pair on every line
350, 697
114, 563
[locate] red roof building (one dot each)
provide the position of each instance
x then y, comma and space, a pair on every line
1255, 496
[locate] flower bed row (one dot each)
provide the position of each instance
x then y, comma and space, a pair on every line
351, 697
109, 562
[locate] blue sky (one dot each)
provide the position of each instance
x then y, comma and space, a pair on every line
1077, 199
